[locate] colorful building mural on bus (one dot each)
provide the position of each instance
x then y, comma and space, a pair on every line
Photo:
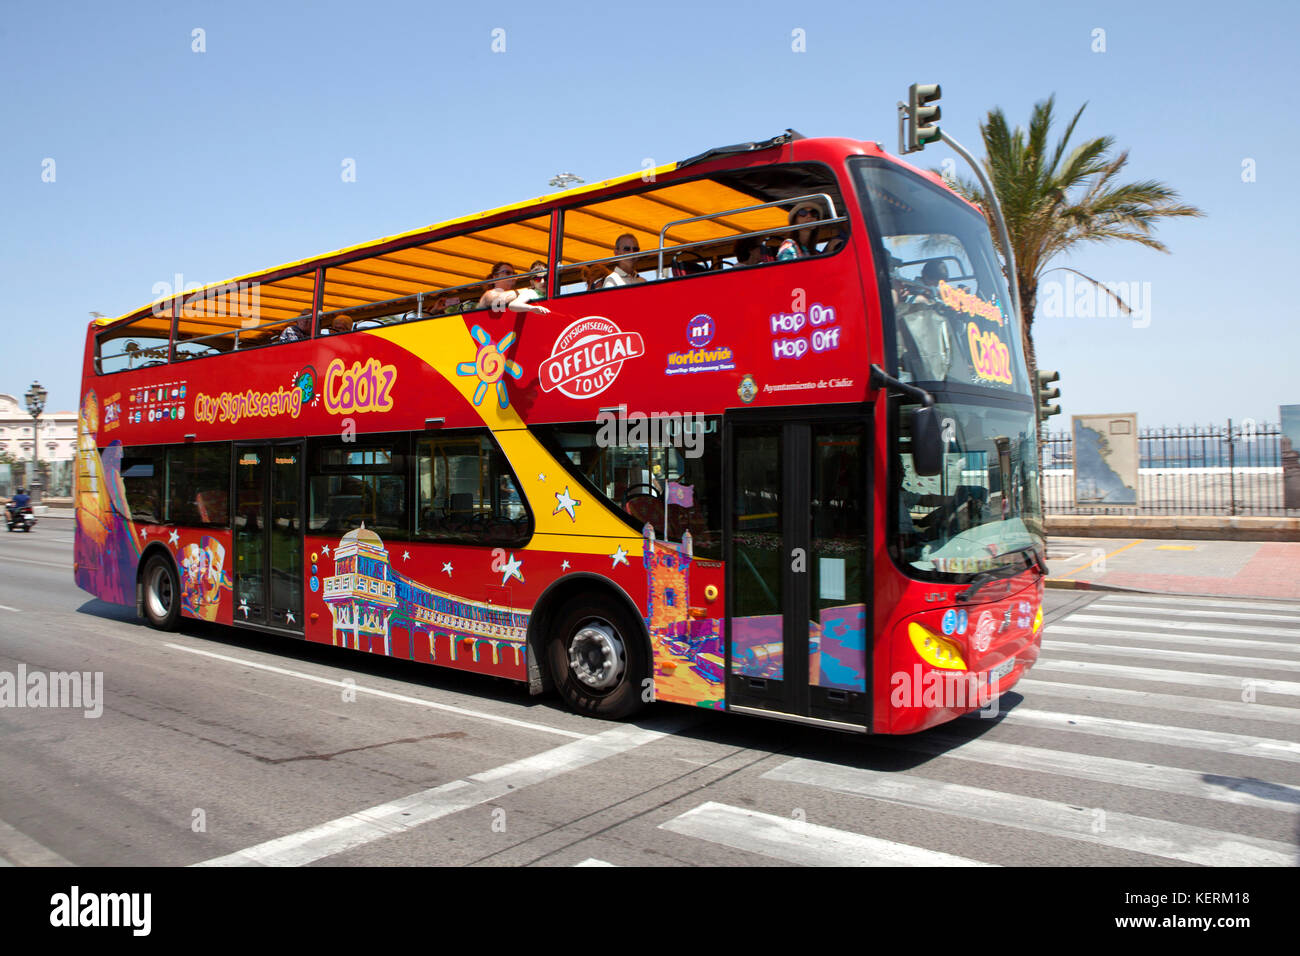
686, 645
368, 599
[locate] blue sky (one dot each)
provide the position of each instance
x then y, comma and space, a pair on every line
219, 163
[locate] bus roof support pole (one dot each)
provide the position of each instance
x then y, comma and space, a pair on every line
1012, 282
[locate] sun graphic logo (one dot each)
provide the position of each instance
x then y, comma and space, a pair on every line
491, 366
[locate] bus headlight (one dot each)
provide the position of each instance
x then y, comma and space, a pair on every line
1038, 619
935, 650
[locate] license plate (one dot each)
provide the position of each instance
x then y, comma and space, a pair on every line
1001, 671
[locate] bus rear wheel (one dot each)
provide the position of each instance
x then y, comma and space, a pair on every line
599, 659
162, 605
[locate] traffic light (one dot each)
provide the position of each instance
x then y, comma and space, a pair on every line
1045, 394
922, 118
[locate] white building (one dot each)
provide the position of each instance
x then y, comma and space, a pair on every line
58, 432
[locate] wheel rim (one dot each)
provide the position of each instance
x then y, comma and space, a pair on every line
158, 592
597, 657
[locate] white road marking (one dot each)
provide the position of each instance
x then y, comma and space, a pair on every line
592, 861
1241, 616
1125, 773
1161, 676
1162, 601
1215, 628
387, 695
1238, 643
6, 607
1212, 740
1167, 839
44, 564
398, 816
1183, 657
1177, 702
797, 841
18, 849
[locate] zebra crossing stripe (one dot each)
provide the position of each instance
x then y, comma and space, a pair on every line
1185, 657
1162, 601
796, 841
1125, 773
1229, 643
1144, 698
1164, 676
1213, 740
357, 829
1079, 617
1121, 831
1241, 616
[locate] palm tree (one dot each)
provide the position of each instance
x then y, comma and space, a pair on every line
1058, 200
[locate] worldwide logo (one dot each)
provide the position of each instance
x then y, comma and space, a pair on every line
699, 333
587, 357
700, 330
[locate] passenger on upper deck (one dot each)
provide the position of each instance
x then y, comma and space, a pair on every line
625, 272
501, 297
802, 243
750, 251
299, 330
341, 322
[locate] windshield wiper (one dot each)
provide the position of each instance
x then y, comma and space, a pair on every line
1032, 560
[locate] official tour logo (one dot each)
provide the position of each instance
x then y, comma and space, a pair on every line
588, 356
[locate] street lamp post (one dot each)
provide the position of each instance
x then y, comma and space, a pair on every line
35, 398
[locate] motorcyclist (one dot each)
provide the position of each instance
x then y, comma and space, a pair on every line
19, 501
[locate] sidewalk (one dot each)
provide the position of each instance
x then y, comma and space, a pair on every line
1269, 569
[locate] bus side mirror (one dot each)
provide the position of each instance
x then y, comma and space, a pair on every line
927, 441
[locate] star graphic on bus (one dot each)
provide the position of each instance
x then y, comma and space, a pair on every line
289, 618
446, 567
243, 606
325, 549
491, 365
564, 565
565, 503
174, 537
512, 569
619, 556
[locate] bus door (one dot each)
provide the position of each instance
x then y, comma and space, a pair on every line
797, 543
268, 534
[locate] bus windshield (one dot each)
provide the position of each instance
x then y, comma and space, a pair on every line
984, 505
948, 315
952, 321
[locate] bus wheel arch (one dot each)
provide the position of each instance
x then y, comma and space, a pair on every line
589, 642
157, 589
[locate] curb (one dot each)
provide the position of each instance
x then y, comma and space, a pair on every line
1061, 584
1183, 527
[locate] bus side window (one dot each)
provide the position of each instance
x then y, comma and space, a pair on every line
444, 277
689, 228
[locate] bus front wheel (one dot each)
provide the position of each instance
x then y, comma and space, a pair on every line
162, 605
599, 659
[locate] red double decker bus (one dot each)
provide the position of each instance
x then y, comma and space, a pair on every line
750, 431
